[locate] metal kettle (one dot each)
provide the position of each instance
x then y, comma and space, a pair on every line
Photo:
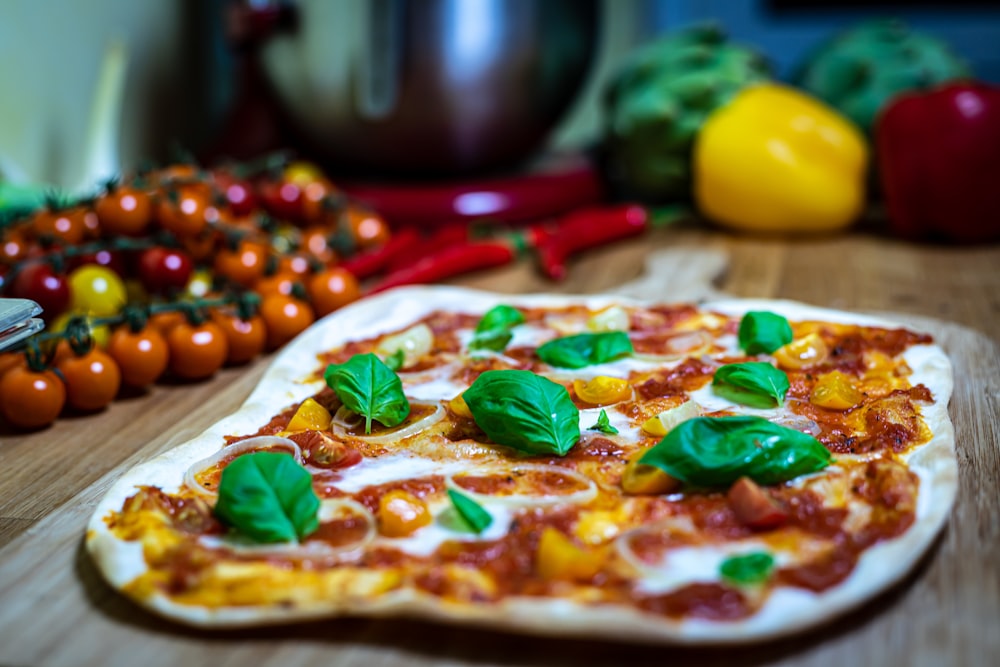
429, 87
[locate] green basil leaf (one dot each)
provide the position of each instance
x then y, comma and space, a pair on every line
268, 497
395, 360
471, 511
716, 451
752, 568
492, 339
604, 424
368, 387
524, 411
500, 317
585, 349
762, 331
754, 383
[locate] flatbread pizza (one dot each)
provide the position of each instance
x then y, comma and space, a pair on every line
728, 471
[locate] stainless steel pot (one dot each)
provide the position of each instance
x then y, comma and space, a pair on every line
430, 86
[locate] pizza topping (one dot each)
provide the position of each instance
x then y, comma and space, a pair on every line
524, 411
754, 383
604, 424
310, 415
716, 451
612, 318
401, 513
658, 346
202, 477
422, 415
268, 497
663, 422
412, 344
602, 390
493, 332
477, 518
526, 484
367, 387
764, 332
559, 557
802, 352
751, 568
642, 479
319, 450
835, 391
753, 507
586, 349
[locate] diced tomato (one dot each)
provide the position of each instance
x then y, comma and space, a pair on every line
753, 507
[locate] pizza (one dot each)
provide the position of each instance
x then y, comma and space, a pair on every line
727, 471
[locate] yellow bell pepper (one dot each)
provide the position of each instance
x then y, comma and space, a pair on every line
776, 160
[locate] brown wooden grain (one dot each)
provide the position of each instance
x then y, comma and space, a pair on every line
55, 609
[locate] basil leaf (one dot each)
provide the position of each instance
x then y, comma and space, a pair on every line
471, 511
368, 387
493, 331
268, 497
493, 339
500, 317
604, 424
754, 383
752, 568
716, 451
395, 360
762, 331
585, 349
524, 411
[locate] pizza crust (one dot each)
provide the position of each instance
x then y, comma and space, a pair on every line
786, 611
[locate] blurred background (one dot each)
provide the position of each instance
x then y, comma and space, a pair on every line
183, 63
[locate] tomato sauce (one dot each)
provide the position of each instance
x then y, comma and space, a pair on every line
419, 487
709, 601
341, 532
689, 375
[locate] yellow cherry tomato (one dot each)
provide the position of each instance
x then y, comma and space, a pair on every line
836, 391
802, 352
640, 479
96, 290
602, 390
401, 513
310, 416
558, 557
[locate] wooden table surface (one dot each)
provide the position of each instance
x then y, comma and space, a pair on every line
55, 609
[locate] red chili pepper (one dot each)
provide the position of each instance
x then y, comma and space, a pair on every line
440, 239
368, 264
584, 229
939, 160
450, 261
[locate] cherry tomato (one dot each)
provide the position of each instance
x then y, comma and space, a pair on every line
301, 172
163, 270
238, 193
166, 320
124, 210
318, 200
141, 355
285, 317
31, 399
243, 266
92, 380
369, 229
331, 289
96, 290
91, 225
282, 282
99, 335
108, 258
196, 350
245, 338
183, 210
315, 242
282, 199
67, 225
201, 246
10, 361
300, 265
37, 281
179, 171
14, 247
200, 284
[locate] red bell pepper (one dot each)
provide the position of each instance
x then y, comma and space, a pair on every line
939, 159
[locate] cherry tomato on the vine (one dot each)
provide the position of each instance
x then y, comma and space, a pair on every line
183, 210
238, 193
96, 290
31, 399
300, 265
330, 289
65, 225
141, 355
315, 241
92, 379
196, 350
38, 282
281, 282
369, 229
104, 257
124, 210
14, 247
245, 338
163, 270
243, 266
9, 361
285, 317
166, 320
301, 172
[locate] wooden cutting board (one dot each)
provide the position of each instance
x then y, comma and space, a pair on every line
56, 610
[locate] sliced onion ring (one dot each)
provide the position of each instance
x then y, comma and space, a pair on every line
405, 432
330, 509
680, 346
677, 524
582, 496
237, 448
